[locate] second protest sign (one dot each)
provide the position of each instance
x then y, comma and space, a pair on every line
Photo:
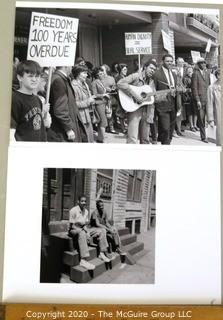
138, 43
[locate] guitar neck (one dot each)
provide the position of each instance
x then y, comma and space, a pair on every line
161, 92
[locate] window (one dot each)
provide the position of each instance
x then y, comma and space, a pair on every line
104, 182
134, 185
134, 225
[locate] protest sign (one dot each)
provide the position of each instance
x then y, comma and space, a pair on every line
208, 46
166, 41
138, 43
196, 55
52, 39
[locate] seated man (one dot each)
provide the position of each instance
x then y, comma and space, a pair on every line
99, 219
78, 218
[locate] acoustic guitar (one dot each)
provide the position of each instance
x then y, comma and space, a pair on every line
129, 104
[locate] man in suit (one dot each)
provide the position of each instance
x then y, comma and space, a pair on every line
66, 125
199, 87
139, 120
165, 79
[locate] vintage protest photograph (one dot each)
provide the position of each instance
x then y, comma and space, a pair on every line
98, 226
120, 74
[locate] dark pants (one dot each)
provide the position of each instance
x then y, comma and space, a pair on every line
201, 121
114, 239
166, 124
153, 130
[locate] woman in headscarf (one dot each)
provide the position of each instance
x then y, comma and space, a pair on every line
84, 100
102, 99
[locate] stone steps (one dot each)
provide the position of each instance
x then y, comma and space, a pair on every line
127, 239
81, 275
70, 256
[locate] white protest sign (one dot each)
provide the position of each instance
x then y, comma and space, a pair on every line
196, 55
52, 39
138, 43
166, 41
208, 46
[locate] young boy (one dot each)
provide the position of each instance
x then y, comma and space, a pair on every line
40, 91
26, 116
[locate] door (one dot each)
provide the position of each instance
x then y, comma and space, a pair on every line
88, 45
64, 188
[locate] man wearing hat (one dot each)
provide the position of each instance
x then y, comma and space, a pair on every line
199, 87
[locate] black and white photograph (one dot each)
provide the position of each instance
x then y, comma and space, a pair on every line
120, 75
98, 226
100, 218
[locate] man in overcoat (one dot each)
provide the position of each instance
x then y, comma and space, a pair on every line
66, 125
199, 87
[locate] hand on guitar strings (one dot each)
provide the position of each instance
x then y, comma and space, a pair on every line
138, 99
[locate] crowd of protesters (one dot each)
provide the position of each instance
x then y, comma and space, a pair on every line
84, 104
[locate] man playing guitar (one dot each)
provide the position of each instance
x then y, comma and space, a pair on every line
140, 119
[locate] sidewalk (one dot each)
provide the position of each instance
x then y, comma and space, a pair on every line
140, 273
189, 138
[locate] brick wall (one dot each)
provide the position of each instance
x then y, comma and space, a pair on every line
45, 188
120, 197
146, 198
123, 209
171, 34
90, 187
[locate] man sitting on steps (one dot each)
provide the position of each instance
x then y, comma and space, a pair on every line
79, 220
99, 219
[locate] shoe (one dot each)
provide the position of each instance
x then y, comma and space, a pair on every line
119, 251
103, 257
205, 140
175, 135
193, 129
180, 134
196, 128
154, 142
113, 131
87, 265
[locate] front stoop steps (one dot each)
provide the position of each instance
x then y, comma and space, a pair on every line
71, 258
